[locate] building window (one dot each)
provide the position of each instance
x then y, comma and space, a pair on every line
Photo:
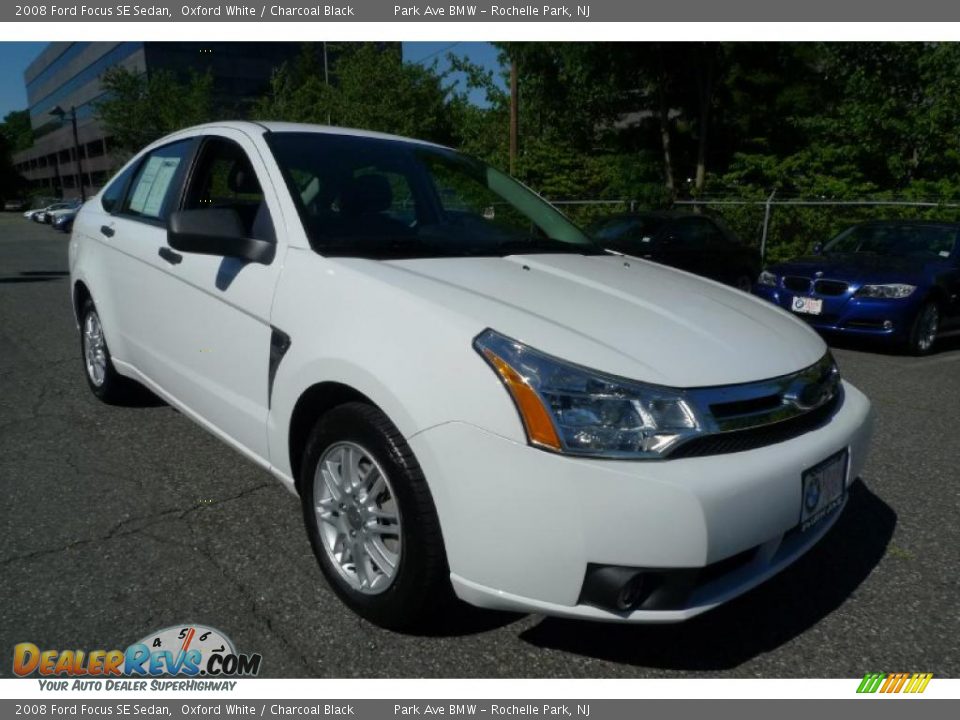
95, 149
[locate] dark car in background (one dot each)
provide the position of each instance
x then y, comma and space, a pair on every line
62, 220
695, 243
895, 280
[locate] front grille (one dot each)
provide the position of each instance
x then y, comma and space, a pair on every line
752, 438
746, 407
797, 284
830, 288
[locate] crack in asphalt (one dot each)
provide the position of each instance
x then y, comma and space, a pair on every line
114, 532
246, 594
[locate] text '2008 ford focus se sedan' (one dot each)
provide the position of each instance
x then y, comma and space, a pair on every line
466, 393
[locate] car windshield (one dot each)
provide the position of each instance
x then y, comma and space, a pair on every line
387, 199
923, 241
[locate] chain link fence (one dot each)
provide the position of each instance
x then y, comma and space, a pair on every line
779, 228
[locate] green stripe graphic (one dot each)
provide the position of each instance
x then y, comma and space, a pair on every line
871, 682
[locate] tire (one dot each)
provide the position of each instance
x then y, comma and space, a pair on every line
923, 330
104, 381
407, 595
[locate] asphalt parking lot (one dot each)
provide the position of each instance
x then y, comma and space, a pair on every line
119, 521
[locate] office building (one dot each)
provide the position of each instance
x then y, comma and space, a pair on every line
66, 78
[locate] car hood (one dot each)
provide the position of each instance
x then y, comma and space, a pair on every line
858, 268
616, 314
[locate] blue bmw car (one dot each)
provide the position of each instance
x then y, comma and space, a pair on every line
894, 280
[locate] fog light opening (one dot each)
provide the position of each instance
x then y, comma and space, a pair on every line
888, 324
631, 593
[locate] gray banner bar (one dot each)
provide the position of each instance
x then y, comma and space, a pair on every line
854, 709
419, 11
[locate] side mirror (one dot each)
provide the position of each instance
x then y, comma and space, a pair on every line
215, 231
818, 248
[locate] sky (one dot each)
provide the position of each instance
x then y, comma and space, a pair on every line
15, 56
481, 53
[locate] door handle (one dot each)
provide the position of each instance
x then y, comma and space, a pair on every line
107, 230
174, 258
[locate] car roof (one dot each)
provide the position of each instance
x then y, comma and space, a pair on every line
258, 127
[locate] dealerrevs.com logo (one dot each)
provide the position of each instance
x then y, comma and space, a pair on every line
182, 651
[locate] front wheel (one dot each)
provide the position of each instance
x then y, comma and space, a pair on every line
371, 519
923, 332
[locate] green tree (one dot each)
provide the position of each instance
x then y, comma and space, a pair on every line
17, 130
140, 108
370, 88
15, 135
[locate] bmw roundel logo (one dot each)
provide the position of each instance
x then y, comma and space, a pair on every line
812, 497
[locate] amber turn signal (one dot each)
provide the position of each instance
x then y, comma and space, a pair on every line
536, 418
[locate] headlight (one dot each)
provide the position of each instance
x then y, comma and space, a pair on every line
767, 278
570, 409
894, 290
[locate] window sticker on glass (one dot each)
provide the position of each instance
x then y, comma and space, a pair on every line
144, 184
152, 188
161, 183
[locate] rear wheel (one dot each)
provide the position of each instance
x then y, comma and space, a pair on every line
104, 381
923, 332
371, 519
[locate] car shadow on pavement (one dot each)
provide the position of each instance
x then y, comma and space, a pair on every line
34, 279
33, 276
139, 396
757, 622
459, 619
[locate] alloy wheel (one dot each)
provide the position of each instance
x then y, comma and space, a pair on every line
94, 349
357, 517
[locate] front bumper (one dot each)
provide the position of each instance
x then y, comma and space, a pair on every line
521, 526
849, 315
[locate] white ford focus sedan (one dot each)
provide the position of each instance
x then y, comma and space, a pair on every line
468, 395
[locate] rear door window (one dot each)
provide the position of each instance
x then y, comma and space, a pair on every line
155, 188
112, 196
